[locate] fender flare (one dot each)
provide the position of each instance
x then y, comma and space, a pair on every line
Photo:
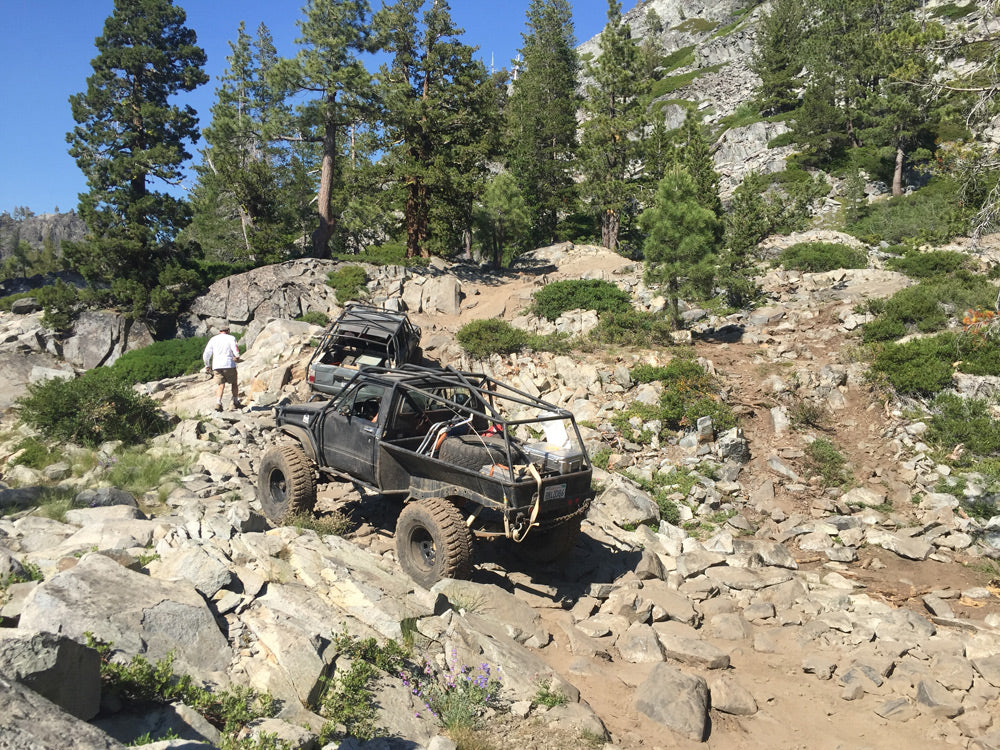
304, 437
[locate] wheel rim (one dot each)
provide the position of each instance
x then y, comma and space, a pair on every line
422, 549
277, 487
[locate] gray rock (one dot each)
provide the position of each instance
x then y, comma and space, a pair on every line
693, 652
676, 700
136, 613
937, 700
626, 504
31, 722
201, 566
639, 644
519, 621
62, 670
730, 697
104, 496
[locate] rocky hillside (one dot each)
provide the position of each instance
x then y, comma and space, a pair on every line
774, 612
39, 229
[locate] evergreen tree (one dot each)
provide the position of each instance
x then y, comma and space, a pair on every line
328, 72
541, 115
504, 220
749, 220
695, 156
611, 147
127, 135
680, 236
440, 116
777, 57
243, 208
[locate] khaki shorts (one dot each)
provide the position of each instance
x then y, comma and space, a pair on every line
227, 375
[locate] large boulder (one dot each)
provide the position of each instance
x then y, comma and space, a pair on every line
136, 613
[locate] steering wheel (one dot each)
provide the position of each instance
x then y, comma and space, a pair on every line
367, 409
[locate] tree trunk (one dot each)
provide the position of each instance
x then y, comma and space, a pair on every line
897, 173
324, 231
610, 224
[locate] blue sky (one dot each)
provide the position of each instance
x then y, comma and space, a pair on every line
48, 45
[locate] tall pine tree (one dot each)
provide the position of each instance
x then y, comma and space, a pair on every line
337, 89
610, 149
440, 115
244, 208
777, 57
129, 138
541, 116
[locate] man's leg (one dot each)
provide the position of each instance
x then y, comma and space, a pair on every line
220, 389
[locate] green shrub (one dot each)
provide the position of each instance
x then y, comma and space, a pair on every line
481, 338
967, 421
821, 256
36, 455
930, 264
59, 303
99, 405
918, 368
933, 214
10, 299
923, 307
139, 471
162, 359
554, 299
688, 394
632, 327
823, 458
348, 281
678, 58
388, 254
315, 317
953, 11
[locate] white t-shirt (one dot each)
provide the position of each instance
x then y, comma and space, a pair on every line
221, 352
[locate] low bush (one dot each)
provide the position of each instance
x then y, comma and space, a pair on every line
348, 282
689, 393
932, 214
929, 305
928, 265
823, 459
554, 299
481, 338
163, 359
35, 455
924, 367
315, 317
389, 254
821, 256
966, 421
632, 328
99, 405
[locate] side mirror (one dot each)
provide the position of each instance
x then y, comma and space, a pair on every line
345, 411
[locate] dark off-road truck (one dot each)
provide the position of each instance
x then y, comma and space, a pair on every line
468, 455
362, 336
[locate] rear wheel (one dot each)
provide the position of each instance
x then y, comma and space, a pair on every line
286, 483
433, 541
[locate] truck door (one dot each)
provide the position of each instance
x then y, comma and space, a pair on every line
349, 434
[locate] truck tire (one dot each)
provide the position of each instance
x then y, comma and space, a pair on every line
474, 452
286, 482
549, 545
433, 541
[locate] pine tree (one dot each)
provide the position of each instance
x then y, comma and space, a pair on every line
777, 57
749, 220
541, 115
243, 209
695, 156
328, 72
127, 137
680, 236
504, 220
616, 116
440, 116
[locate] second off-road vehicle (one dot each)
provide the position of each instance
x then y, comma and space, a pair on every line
362, 336
468, 455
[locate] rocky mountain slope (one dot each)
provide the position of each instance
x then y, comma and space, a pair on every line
777, 613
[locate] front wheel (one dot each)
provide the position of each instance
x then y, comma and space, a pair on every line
433, 541
286, 483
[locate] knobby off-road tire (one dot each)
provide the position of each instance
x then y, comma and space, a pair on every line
475, 452
433, 541
286, 483
550, 545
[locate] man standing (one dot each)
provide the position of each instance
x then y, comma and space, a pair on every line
220, 356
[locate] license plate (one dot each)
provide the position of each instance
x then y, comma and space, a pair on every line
555, 492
